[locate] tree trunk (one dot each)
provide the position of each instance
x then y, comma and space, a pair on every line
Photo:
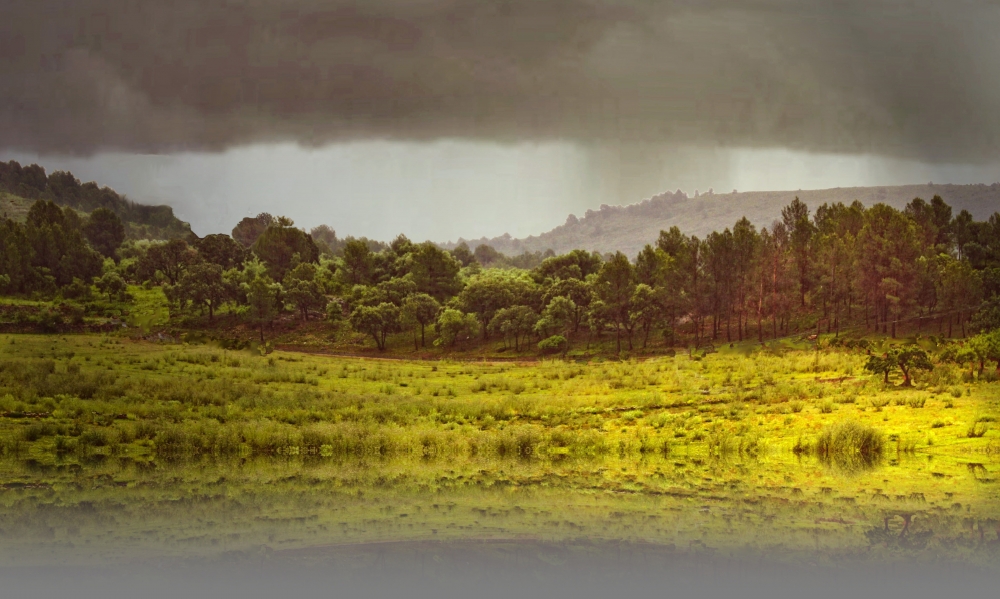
423, 343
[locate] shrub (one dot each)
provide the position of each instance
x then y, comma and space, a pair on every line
553, 345
850, 444
879, 402
977, 430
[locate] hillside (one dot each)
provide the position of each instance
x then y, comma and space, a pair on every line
22, 186
629, 228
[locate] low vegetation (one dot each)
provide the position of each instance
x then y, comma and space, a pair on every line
303, 449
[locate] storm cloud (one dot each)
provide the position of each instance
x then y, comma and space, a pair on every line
910, 79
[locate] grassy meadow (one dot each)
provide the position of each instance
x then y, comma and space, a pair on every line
132, 447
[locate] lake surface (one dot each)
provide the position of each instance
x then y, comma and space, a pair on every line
912, 525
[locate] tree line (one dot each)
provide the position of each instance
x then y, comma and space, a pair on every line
141, 221
839, 268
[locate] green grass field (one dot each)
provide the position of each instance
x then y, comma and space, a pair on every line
160, 448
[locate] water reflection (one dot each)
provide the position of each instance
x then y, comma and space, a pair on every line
786, 507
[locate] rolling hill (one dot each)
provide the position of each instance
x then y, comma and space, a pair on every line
22, 186
629, 228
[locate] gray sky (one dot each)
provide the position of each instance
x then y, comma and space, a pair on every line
443, 118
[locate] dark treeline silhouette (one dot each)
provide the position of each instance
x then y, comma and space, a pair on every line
142, 221
843, 267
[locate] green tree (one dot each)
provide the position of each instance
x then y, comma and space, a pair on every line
105, 231
486, 294
985, 347
645, 310
170, 259
263, 300
576, 264
560, 316
378, 321
905, 359
435, 271
795, 217
222, 250
888, 249
111, 284
463, 254
578, 292
453, 327
358, 263
616, 285
303, 290
282, 247
203, 285
516, 321
250, 228
423, 310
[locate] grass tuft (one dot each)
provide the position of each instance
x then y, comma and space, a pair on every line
850, 444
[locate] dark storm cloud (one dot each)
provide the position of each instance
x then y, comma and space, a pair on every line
911, 78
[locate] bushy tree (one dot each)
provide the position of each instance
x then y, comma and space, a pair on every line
515, 322
435, 271
105, 231
112, 285
905, 359
378, 321
303, 290
203, 285
559, 317
222, 250
250, 228
282, 247
453, 327
263, 299
615, 286
357, 263
422, 310
170, 259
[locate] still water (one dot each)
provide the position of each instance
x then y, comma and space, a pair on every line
676, 526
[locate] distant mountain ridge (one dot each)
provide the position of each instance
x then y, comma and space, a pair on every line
629, 228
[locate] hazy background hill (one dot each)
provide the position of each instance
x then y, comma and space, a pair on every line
629, 228
21, 186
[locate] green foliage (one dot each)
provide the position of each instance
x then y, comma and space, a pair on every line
553, 345
263, 297
378, 321
420, 309
905, 359
221, 250
166, 261
140, 221
250, 228
851, 444
202, 284
112, 285
454, 327
304, 290
516, 322
435, 271
104, 231
282, 247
